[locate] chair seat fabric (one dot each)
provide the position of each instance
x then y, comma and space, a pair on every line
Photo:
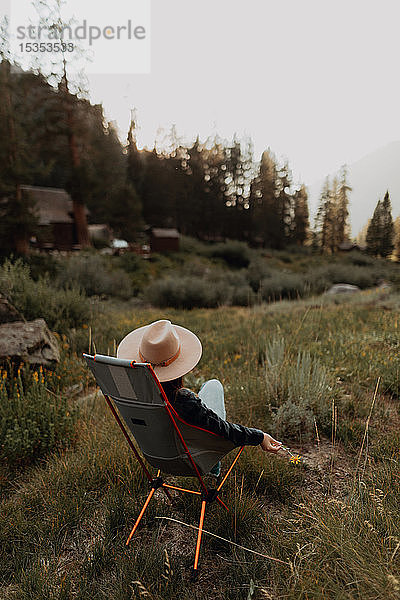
152, 420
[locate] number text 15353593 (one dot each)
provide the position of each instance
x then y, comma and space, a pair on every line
46, 47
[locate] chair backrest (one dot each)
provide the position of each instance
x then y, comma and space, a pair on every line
155, 425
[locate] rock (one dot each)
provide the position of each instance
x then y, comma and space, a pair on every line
8, 312
384, 285
343, 288
30, 342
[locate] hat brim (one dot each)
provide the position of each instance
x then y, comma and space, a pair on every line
189, 356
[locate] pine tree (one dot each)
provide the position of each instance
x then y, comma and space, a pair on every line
217, 216
342, 210
132, 212
301, 216
332, 227
284, 206
396, 240
373, 237
266, 216
332, 217
17, 218
239, 163
387, 235
324, 222
126, 213
380, 231
135, 166
79, 184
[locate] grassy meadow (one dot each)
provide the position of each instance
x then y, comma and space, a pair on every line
319, 373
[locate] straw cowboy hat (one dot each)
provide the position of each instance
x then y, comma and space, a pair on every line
172, 350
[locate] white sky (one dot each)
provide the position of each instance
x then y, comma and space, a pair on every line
315, 80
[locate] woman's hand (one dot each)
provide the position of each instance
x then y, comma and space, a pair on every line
269, 444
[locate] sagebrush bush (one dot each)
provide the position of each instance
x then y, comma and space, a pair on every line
362, 276
186, 293
33, 421
282, 285
297, 390
62, 308
206, 290
95, 275
294, 421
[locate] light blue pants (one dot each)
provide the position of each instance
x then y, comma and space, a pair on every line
211, 394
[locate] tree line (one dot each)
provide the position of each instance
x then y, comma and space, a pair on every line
212, 189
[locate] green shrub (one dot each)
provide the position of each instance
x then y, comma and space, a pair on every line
191, 245
137, 268
62, 308
33, 421
257, 272
94, 274
242, 295
42, 264
235, 254
359, 259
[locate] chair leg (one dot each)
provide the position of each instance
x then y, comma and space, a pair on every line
149, 497
200, 532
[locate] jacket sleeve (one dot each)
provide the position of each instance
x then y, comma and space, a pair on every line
191, 409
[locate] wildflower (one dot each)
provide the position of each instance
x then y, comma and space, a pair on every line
295, 460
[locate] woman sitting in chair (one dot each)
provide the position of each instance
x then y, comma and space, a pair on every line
173, 351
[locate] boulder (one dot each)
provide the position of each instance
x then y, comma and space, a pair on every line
8, 312
343, 288
31, 342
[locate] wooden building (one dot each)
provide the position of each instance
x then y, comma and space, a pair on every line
54, 211
164, 240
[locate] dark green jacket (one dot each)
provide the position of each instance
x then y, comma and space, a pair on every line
192, 410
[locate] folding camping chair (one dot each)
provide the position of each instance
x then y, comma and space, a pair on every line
167, 442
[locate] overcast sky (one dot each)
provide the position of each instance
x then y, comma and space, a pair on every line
315, 80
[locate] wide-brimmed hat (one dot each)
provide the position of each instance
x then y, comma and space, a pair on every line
171, 349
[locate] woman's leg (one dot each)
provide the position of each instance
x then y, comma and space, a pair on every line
212, 394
